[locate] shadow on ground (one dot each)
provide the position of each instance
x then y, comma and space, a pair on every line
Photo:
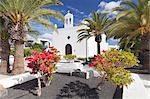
63, 87
79, 90
28, 87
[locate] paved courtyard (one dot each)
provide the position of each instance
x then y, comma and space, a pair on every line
63, 87
70, 87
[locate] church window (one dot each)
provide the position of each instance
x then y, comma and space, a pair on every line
68, 37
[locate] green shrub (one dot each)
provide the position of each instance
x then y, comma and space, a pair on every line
27, 52
37, 46
119, 76
111, 65
37, 50
122, 58
69, 57
129, 59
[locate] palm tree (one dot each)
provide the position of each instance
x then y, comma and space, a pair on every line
5, 48
20, 14
132, 22
95, 26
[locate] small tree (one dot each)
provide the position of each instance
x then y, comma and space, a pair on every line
44, 64
111, 66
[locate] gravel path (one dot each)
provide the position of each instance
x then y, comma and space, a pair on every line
63, 87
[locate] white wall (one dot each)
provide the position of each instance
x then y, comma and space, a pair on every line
60, 41
92, 47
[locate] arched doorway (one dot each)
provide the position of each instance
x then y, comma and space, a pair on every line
68, 49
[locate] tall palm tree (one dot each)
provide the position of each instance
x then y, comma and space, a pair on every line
20, 14
132, 22
97, 25
5, 48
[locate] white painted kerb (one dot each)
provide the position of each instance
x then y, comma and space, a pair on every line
136, 90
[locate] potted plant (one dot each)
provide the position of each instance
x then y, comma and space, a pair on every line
70, 57
44, 65
111, 66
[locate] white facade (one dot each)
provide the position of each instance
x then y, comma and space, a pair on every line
69, 36
66, 39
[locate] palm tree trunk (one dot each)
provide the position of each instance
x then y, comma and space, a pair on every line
98, 39
19, 57
5, 47
4, 68
146, 51
98, 48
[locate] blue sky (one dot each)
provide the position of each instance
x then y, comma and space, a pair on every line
81, 9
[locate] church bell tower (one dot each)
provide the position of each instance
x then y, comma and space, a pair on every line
68, 20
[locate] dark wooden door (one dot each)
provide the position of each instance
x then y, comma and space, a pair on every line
68, 49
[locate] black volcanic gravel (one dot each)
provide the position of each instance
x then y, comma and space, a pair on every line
63, 87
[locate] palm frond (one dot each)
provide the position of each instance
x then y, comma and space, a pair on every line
45, 23
47, 12
94, 26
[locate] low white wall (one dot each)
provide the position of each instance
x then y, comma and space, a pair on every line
16, 79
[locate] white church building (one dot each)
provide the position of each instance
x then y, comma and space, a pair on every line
66, 40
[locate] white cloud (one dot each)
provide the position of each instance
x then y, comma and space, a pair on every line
107, 7
75, 9
102, 4
46, 36
111, 5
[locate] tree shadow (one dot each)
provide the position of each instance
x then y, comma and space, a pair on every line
76, 90
30, 86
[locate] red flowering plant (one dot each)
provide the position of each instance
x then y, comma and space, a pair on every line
111, 66
44, 62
